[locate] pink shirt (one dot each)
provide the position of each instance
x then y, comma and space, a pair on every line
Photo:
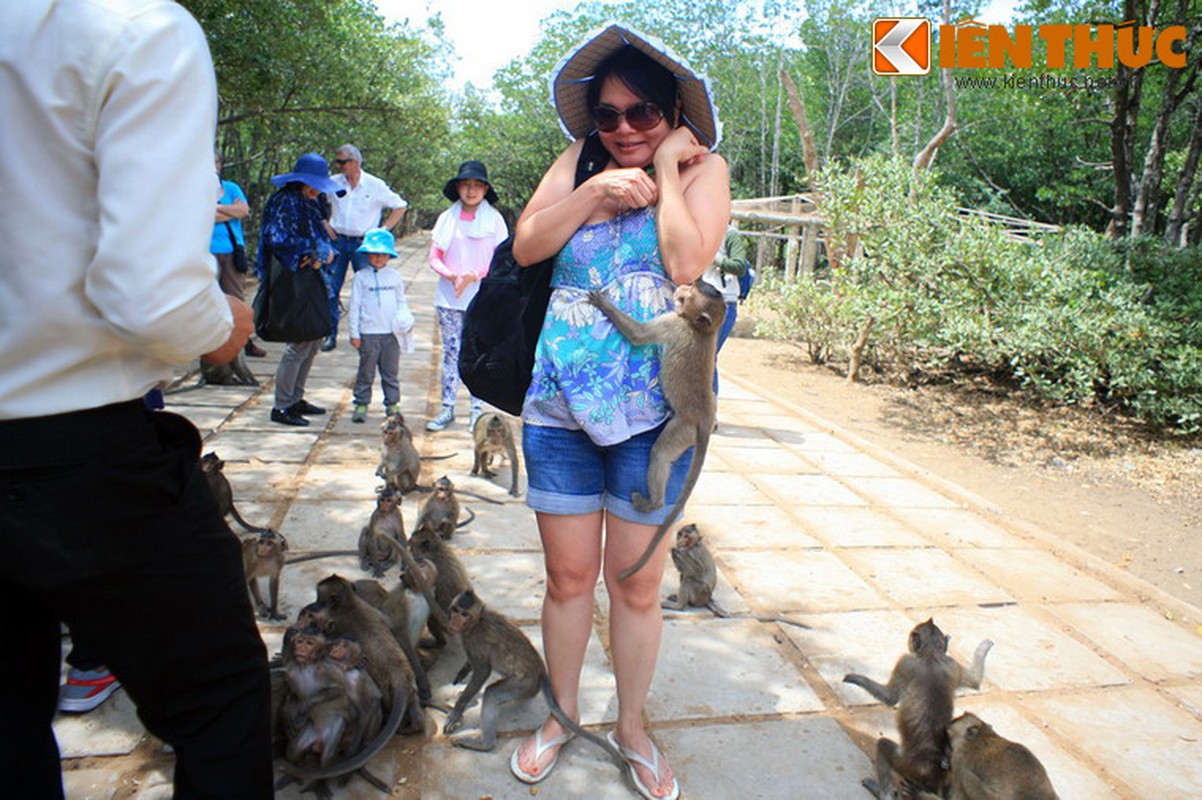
464, 254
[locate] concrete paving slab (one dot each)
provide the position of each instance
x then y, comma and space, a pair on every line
720, 668
805, 581
849, 464
257, 481
156, 785
745, 460
211, 396
207, 419
512, 583
297, 581
257, 514
1031, 651
1139, 636
728, 488
789, 759
813, 441
505, 527
748, 527
110, 730
363, 451
90, 784
924, 578
292, 446
1069, 776
1190, 697
859, 527
1134, 734
806, 490
339, 482
1037, 575
330, 524
960, 528
898, 492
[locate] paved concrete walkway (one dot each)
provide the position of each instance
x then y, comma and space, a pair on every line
1090, 670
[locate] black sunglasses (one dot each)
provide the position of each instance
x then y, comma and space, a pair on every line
640, 116
341, 161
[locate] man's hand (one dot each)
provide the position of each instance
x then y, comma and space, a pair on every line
356, 342
244, 326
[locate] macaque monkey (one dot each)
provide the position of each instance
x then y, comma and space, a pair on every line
494, 644
443, 506
985, 766
367, 702
688, 337
408, 610
399, 460
317, 711
699, 577
381, 540
493, 436
235, 373
923, 687
211, 466
387, 665
263, 557
430, 543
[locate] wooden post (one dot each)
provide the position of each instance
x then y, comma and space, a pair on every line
809, 250
793, 249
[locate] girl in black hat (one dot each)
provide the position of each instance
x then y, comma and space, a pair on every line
465, 237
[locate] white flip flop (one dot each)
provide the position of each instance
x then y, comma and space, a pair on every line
540, 747
633, 757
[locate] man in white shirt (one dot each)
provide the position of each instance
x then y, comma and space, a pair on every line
106, 285
356, 209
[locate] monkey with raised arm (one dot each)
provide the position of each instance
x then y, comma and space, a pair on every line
263, 557
430, 543
493, 436
211, 467
922, 686
399, 460
699, 577
494, 644
366, 700
443, 506
687, 337
383, 536
986, 766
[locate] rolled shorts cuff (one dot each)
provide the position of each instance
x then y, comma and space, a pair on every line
556, 503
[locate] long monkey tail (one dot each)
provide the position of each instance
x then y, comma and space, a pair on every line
700, 446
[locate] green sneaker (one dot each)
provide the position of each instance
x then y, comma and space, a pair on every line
360, 414
392, 410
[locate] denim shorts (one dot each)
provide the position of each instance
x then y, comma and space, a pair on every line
569, 474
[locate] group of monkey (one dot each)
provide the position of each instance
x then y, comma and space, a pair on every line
351, 676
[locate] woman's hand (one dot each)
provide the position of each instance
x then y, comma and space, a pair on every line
680, 147
627, 188
463, 281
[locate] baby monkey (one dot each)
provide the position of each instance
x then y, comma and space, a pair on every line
699, 577
441, 507
923, 687
688, 337
985, 766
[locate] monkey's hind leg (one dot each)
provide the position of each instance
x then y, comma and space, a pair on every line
887, 754
673, 440
503, 692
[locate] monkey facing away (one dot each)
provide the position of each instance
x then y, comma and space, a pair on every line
688, 337
922, 687
699, 577
211, 466
494, 644
986, 766
381, 539
263, 557
493, 436
399, 460
443, 506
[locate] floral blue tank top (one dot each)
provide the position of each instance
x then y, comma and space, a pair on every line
587, 375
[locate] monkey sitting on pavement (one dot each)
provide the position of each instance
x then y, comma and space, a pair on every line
430, 543
699, 577
922, 686
211, 467
263, 557
383, 536
493, 436
688, 337
986, 766
493, 643
443, 506
367, 702
317, 712
399, 460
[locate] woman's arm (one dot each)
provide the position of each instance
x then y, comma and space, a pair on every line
694, 208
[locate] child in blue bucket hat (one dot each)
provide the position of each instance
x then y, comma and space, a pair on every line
380, 323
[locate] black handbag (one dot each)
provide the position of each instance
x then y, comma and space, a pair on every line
241, 264
502, 323
291, 306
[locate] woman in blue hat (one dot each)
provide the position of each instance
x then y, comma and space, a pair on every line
653, 218
293, 233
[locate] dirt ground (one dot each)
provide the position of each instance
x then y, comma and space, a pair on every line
1124, 494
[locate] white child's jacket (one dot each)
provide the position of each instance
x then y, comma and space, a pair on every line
378, 305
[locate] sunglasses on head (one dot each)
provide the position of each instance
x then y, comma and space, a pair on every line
640, 116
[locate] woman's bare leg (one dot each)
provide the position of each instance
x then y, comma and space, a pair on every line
635, 628
572, 552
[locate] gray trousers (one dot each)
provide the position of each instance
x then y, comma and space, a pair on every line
293, 371
378, 351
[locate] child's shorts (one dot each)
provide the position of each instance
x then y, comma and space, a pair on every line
569, 474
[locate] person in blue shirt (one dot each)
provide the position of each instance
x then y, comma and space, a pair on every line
232, 208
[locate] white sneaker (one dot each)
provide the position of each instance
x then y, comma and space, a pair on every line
444, 419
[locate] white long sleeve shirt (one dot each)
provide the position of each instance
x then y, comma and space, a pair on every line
107, 113
378, 303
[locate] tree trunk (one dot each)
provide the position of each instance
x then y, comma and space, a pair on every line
798, 109
1127, 93
1185, 184
926, 156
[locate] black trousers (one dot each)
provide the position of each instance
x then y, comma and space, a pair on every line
106, 524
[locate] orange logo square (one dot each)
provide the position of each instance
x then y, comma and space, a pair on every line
901, 46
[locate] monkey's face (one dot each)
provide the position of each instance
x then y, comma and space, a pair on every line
687, 536
465, 613
307, 649
386, 503
345, 652
266, 548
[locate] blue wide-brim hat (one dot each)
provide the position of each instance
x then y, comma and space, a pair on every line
378, 240
469, 170
311, 170
571, 77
